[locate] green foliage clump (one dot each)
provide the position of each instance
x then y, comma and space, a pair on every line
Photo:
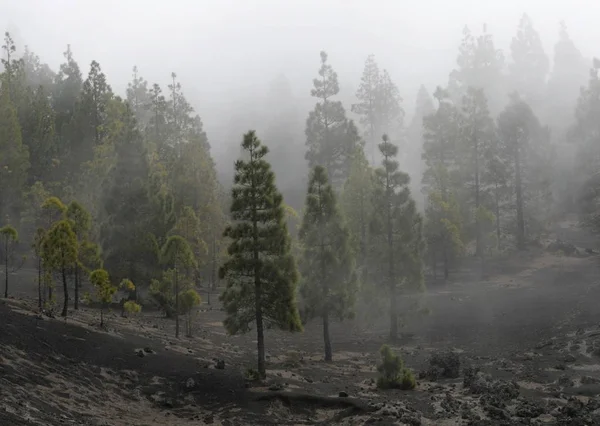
393, 374
105, 291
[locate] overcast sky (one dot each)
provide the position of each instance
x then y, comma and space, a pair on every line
224, 49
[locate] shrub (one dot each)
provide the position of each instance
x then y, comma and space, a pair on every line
393, 374
252, 375
131, 307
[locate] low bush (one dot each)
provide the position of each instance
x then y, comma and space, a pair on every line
393, 374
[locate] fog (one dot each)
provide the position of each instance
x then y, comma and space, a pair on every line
227, 52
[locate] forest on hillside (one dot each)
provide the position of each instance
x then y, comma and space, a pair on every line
120, 190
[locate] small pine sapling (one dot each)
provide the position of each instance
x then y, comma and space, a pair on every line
104, 290
393, 374
188, 300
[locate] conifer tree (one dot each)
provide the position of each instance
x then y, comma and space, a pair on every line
261, 272
414, 153
366, 108
480, 65
60, 254
177, 255
525, 145
327, 265
138, 98
530, 64
396, 232
81, 223
330, 137
127, 213
478, 135
14, 158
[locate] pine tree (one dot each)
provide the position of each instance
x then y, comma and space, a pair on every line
128, 210
480, 65
14, 159
327, 265
396, 232
366, 108
530, 65
525, 148
330, 137
81, 223
479, 134
138, 98
60, 254
414, 153
94, 99
389, 107
261, 272
356, 205
440, 142
570, 71
178, 256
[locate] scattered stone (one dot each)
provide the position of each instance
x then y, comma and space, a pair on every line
141, 353
565, 381
220, 364
276, 387
209, 420
528, 409
478, 383
148, 350
589, 380
343, 394
190, 383
569, 358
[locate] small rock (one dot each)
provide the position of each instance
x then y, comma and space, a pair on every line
343, 394
565, 381
276, 387
148, 350
209, 420
141, 353
190, 383
569, 358
589, 380
220, 365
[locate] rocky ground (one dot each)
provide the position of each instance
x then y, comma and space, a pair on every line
521, 346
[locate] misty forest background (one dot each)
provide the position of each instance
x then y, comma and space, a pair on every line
480, 165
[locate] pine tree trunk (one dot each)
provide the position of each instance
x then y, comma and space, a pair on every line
478, 242
6, 268
446, 267
66, 291
434, 265
497, 196
40, 282
76, 302
102, 315
393, 314
176, 304
519, 191
326, 338
260, 336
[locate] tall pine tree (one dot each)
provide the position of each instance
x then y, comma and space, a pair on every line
261, 272
327, 265
330, 137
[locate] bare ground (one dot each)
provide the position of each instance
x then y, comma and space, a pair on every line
531, 327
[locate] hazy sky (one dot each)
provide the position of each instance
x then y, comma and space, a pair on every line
224, 49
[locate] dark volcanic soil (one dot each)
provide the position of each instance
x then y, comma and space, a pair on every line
527, 338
